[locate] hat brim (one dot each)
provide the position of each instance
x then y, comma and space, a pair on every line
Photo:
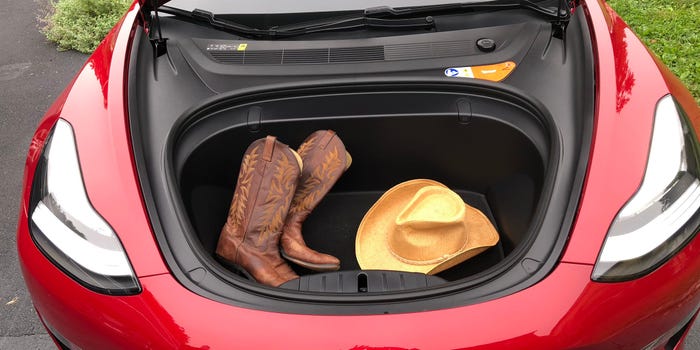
371, 247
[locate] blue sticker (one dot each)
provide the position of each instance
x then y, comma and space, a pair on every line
451, 72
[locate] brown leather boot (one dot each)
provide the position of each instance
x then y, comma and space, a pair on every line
266, 184
325, 159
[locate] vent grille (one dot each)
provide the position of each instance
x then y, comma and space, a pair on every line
345, 54
408, 51
357, 54
229, 57
452, 48
263, 57
307, 56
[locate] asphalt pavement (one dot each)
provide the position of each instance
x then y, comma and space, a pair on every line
32, 74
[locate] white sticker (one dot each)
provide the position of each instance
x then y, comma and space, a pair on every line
459, 72
224, 47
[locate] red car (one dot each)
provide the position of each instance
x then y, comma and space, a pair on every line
551, 117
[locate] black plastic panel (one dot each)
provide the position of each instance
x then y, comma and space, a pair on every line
414, 47
332, 226
354, 282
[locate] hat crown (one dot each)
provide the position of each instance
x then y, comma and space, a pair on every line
430, 228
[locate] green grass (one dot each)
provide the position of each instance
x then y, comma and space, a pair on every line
81, 24
670, 28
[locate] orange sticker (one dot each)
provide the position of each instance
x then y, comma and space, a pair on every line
491, 72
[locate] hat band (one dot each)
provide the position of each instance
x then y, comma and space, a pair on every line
422, 262
427, 262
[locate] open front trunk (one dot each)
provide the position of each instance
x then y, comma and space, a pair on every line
516, 149
487, 148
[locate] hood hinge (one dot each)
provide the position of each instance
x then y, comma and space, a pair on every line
159, 44
564, 12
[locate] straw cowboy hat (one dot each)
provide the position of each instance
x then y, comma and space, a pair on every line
421, 226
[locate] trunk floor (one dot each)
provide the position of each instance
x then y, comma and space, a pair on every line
332, 226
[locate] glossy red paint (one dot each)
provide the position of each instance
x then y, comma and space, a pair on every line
564, 310
628, 88
95, 106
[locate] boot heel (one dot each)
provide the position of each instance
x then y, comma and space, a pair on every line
233, 267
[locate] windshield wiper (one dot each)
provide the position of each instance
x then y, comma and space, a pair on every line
382, 17
324, 25
415, 17
207, 17
387, 11
559, 16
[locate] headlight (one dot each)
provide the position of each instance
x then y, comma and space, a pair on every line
66, 227
663, 215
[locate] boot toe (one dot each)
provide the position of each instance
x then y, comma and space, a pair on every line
313, 260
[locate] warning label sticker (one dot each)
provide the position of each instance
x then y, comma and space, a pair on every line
227, 47
492, 72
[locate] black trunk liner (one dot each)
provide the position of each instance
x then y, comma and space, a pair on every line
332, 226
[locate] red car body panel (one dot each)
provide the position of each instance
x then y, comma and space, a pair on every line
95, 106
564, 310
627, 91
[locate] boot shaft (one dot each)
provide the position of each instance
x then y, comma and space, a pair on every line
267, 181
325, 160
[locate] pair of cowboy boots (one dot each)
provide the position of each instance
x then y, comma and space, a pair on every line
277, 189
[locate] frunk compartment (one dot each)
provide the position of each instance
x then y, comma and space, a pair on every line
491, 149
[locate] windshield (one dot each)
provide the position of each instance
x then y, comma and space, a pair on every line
296, 6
